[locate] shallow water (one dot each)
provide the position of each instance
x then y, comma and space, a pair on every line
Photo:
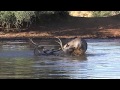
102, 60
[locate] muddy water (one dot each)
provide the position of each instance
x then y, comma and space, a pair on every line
102, 60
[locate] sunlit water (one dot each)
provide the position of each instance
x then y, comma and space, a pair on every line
102, 60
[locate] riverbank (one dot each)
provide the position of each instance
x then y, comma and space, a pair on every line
101, 27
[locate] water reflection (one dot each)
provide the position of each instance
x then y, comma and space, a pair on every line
56, 67
15, 68
17, 60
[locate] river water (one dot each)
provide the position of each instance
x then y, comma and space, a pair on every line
102, 61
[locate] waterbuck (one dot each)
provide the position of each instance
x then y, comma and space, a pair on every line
77, 46
41, 50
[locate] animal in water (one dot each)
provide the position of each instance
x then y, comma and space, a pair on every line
76, 46
41, 50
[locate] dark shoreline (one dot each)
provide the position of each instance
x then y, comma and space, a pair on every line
48, 38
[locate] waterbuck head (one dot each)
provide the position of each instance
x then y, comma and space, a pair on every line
75, 46
67, 48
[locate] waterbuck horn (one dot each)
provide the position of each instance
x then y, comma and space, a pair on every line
59, 42
33, 42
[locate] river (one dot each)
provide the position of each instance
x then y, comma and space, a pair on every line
102, 61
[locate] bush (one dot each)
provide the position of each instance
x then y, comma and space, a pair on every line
104, 13
24, 19
7, 18
101, 13
16, 19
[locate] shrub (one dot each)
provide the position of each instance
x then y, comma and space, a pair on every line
24, 19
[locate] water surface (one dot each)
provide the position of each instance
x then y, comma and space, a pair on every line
102, 60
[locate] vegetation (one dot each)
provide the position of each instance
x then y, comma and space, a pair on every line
24, 19
19, 20
104, 13
93, 13
14, 19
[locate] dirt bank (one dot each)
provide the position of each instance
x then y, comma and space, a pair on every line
102, 27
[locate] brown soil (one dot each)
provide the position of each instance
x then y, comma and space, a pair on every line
102, 27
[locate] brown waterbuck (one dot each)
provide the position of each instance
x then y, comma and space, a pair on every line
76, 46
